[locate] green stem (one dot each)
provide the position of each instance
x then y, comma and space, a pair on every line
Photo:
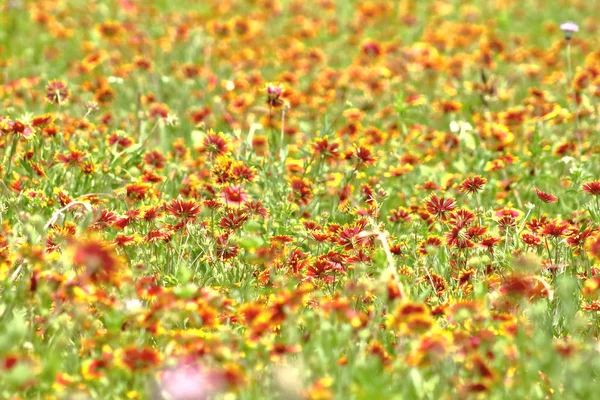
13, 148
570, 83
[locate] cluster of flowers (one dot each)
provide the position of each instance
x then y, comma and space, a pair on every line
262, 199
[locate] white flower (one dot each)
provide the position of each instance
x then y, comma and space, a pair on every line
133, 305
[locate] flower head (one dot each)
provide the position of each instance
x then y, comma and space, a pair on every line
215, 144
592, 245
57, 92
274, 93
189, 382
186, 210
473, 185
439, 207
234, 195
569, 28
592, 188
98, 262
545, 197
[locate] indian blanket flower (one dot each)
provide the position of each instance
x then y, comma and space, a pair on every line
459, 238
110, 29
524, 286
430, 245
155, 159
489, 242
531, 240
592, 188
233, 220
234, 195
21, 129
399, 215
432, 349
473, 185
506, 221
410, 318
41, 121
461, 218
186, 210
137, 191
214, 144
545, 197
254, 208
138, 359
243, 172
326, 149
363, 155
99, 262
104, 95
555, 228
439, 207
592, 246
225, 248
301, 191
73, 158
274, 92
57, 92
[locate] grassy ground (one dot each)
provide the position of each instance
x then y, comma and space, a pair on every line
261, 199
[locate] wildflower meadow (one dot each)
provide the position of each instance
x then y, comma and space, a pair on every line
299, 200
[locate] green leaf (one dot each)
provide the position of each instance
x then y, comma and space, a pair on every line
187, 291
183, 273
17, 327
418, 384
252, 226
468, 139
250, 242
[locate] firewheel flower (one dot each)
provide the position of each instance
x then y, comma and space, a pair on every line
592, 188
274, 93
57, 92
96, 261
234, 195
592, 246
215, 144
186, 210
569, 28
473, 185
439, 207
545, 197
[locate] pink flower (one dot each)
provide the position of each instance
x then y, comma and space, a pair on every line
274, 93
234, 195
189, 382
569, 28
273, 90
